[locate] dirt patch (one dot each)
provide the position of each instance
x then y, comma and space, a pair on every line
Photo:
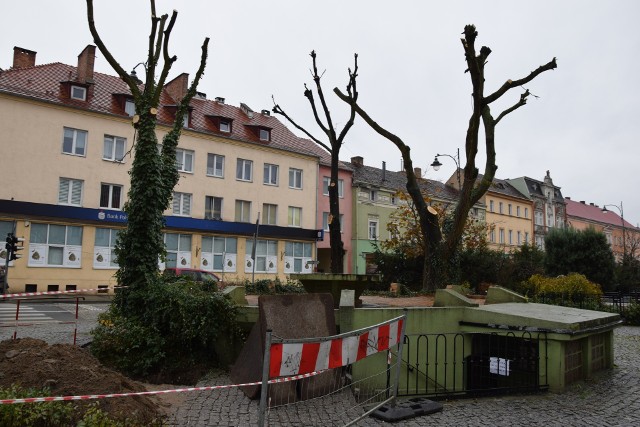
68, 370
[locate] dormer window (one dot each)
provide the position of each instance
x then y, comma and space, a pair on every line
79, 93
225, 125
265, 135
129, 107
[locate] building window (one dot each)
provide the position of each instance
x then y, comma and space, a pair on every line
394, 200
187, 120
181, 204
540, 242
373, 195
219, 253
500, 207
215, 165
269, 214
243, 211
74, 142
184, 160
490, 205
518, 211
104, 248
244, 170
225, 126
511, 237
325, 222
212, 207
265, 135
297, 254
539, 218
509, 209
52, 245
270, 174
178, 250
325, 186
492, 235
79, 93
519, 238
294, 218
114, 148
110, 196
129, 108
526, 212
295, 178
266, 256
502, 236
70, 192
526, 237
373, 229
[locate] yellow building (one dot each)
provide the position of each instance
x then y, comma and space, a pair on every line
67, 145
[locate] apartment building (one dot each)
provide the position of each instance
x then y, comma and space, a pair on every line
509, 216
67, 147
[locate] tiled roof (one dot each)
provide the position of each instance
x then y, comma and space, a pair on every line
501, 186
535, 187
43, 83
398, 181
594, 213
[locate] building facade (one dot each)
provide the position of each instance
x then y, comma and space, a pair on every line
67, 147
549, 208
509, 217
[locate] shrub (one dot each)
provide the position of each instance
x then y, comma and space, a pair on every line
631, 314
270, 287
571, 289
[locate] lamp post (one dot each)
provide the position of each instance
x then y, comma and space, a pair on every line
624, 231
436, 164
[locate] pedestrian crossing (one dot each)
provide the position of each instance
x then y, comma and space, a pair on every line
27, 314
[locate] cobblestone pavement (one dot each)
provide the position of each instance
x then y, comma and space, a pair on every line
611, 398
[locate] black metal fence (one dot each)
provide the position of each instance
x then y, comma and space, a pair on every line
615, 302
467, 364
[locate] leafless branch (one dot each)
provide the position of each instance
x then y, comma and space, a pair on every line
509, 84
523, 101
278, 110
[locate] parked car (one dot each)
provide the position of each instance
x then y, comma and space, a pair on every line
195, 274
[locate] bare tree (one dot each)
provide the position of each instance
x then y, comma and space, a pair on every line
471, 191
333, 147
153, 174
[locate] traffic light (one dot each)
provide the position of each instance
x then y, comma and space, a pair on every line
13, 248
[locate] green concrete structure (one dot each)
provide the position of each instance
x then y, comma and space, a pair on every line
334, 284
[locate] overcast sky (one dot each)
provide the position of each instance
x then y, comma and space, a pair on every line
584, 126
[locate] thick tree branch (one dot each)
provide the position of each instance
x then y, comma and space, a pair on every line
133, 86
309, 95
278, 110
168, 61
353, 94
323, 102
509, 84
523, 101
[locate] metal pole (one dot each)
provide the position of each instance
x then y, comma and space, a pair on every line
5, 282
624, 238
253, 252
399, 357
264, 391
458, 170
15, 328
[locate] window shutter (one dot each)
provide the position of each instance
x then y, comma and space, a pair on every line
63, 194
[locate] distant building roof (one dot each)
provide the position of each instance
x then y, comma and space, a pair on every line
592, 212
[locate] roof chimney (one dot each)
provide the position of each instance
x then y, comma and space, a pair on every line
591, 204
582, 201
567, 198
86, 60
177, 88
245, 109
417, 172
23, 58
384, 170
357, 161
266, 112
219, 100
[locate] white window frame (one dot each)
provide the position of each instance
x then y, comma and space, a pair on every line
181, 157
39, 252
526, 237
325, 186
500, 210
114, 141
492, 235
298, 255
501, 236
73, 187
74, 141
83, 91
510, 209
111, 187
225, 126
294, 217
182, 252
519, 238
212, 165
490, 205
539, 218
105, 257
295, 178
241, 170
269, 214
518, 211
270, 174
244, 214
216, 258
511, 237
129, 107
373, 225
325, 222
210, 207
262, 258
181, 204
526, 213
264, 134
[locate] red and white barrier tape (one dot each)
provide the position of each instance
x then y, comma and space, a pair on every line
146, 393
78, 291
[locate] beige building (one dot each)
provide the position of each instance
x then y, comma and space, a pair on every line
67, 144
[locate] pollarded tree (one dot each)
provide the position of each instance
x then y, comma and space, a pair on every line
438, 251
153, 172
336, 139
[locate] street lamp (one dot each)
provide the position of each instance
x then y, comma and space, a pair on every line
436, 164
624, 232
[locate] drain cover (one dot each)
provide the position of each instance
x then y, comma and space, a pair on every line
407, 409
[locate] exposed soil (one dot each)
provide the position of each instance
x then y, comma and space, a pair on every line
69, 370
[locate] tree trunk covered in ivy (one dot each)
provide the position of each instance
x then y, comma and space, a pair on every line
153, 171
438, 253
335, 143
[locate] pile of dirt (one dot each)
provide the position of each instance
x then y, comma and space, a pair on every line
68, 370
